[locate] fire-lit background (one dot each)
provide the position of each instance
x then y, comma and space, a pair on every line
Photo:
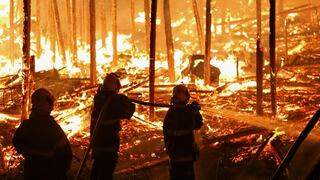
62, 64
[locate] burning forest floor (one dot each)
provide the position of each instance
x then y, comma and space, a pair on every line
234, 142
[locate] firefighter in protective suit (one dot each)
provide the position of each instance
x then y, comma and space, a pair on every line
179, 123
42, 142
109, 107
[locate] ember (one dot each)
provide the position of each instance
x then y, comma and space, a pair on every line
258, 85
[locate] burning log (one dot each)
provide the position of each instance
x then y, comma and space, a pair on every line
256, 155
240, 133
26, 59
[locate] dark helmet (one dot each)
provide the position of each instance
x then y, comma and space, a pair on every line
180, 89
41, 96
111, 82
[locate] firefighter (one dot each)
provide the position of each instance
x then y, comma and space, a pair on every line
179, 123
42, 142
109, 107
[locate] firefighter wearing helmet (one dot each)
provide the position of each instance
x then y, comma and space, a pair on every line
42, 142
109, 107
179, 123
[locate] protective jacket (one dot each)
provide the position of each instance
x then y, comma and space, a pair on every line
110, 107
179, 123
45, 147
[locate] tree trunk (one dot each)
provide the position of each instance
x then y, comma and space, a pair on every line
26, 59
169, 40
12, 49
152, 56
198, 24
103, 22
69, 37
272, 41
208, 44
259, 62
59, 31
52, 31
81, 21
114, 32
147, 23
74, 32
93, 71
133, 36
38, 29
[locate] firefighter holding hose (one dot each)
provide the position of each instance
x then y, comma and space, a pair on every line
179, 123
109, 107
42, 142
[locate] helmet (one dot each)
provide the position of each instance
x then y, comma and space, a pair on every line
180, 89
111, 82
41, 96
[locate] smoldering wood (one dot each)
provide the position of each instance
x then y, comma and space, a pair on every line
26, 59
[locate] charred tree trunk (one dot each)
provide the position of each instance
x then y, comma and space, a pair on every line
208, 44
259, 64
74, 32
12, 32
114, 32
59, 31
147, 23
199, 24
152, 56
93, 71
103, 18
26, 59
169, 40
38, 30
133, 31
273, 72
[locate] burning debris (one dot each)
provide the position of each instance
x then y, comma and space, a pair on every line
234, 141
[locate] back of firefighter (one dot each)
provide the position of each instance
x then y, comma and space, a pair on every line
179, 123
42, 142
109, 107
